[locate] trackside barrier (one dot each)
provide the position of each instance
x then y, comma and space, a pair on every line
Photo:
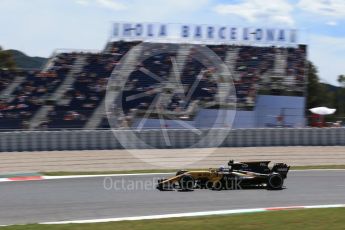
104, 139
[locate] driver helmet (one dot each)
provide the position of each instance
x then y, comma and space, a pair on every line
221, 168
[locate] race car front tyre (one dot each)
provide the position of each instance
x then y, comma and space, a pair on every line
217, 186
160, 185
186, 182
275, 181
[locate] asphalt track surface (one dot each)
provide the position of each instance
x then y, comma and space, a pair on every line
93, 198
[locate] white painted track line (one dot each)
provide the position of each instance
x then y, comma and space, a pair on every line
195, 214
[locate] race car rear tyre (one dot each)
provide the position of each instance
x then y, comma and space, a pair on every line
275, 181
186, 182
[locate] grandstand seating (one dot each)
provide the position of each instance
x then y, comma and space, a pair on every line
86, 93
89, 87
6, 77
16, 112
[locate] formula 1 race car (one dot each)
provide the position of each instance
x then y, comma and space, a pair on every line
238, 175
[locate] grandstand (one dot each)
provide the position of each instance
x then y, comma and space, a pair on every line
69, 92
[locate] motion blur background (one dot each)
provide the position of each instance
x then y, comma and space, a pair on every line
56, 59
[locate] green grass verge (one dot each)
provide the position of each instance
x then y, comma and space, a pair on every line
315, 219
319, 167
170, 170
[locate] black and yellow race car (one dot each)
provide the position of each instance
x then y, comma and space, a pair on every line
237, 175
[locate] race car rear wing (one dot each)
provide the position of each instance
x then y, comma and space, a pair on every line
281, 168
260, 167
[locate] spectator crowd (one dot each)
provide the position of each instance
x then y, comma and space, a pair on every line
199, 83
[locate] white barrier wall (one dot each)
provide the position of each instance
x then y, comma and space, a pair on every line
105, 139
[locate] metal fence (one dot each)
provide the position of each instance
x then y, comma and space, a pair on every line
105, 139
